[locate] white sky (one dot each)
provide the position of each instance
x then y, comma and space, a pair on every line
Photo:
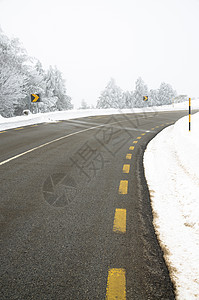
91, 41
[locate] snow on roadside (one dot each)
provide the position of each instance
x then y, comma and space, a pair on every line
9, 123
171, 163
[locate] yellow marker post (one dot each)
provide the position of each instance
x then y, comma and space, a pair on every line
126, 168
189, 114
119, 225
123, 188
116, 284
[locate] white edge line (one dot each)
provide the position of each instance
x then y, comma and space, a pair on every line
43, 145
56, 140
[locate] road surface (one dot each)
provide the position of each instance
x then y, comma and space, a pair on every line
76, 220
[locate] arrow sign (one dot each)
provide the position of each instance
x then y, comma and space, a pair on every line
145, 98
35, 98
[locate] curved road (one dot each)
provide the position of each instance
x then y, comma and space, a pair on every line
76, 221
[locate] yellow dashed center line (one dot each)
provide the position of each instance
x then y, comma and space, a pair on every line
34, 125
126, 168
131, 148
128, 156
19, 128
116, 284
2, 131
120, 220
123, 188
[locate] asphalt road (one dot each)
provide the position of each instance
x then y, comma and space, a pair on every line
60, 236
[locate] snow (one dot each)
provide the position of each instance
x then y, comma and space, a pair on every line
174, 191
171, 163
14, 122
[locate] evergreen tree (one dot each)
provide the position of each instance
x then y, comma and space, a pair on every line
128, 99
165, 94
153, 97
141, 90
55, 88
84, 105
12, 75
111, 97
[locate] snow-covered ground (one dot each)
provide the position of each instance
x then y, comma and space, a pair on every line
8, 123
172, 171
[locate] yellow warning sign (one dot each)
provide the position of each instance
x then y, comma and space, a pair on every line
35, 98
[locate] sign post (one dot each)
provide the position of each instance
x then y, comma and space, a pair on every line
189, 114
35, 98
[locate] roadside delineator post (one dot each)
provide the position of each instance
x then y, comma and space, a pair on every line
189, 114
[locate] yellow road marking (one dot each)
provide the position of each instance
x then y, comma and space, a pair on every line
128, 156
135, 142
131, 148
19, 128
2, 131
120, 220
143, 133
139, 137
152, 128
123, 188
34, 125
116, 284
157, 127
126, 168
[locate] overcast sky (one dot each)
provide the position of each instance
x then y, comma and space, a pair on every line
91, 41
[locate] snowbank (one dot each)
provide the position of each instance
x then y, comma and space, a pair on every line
171, 164
8, 123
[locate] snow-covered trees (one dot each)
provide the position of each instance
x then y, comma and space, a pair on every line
84, 105
129, 99
21, 76
180, 98
111, 97
12, 74
141, 90
153, 97
165, 94
55, 90
114, 97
